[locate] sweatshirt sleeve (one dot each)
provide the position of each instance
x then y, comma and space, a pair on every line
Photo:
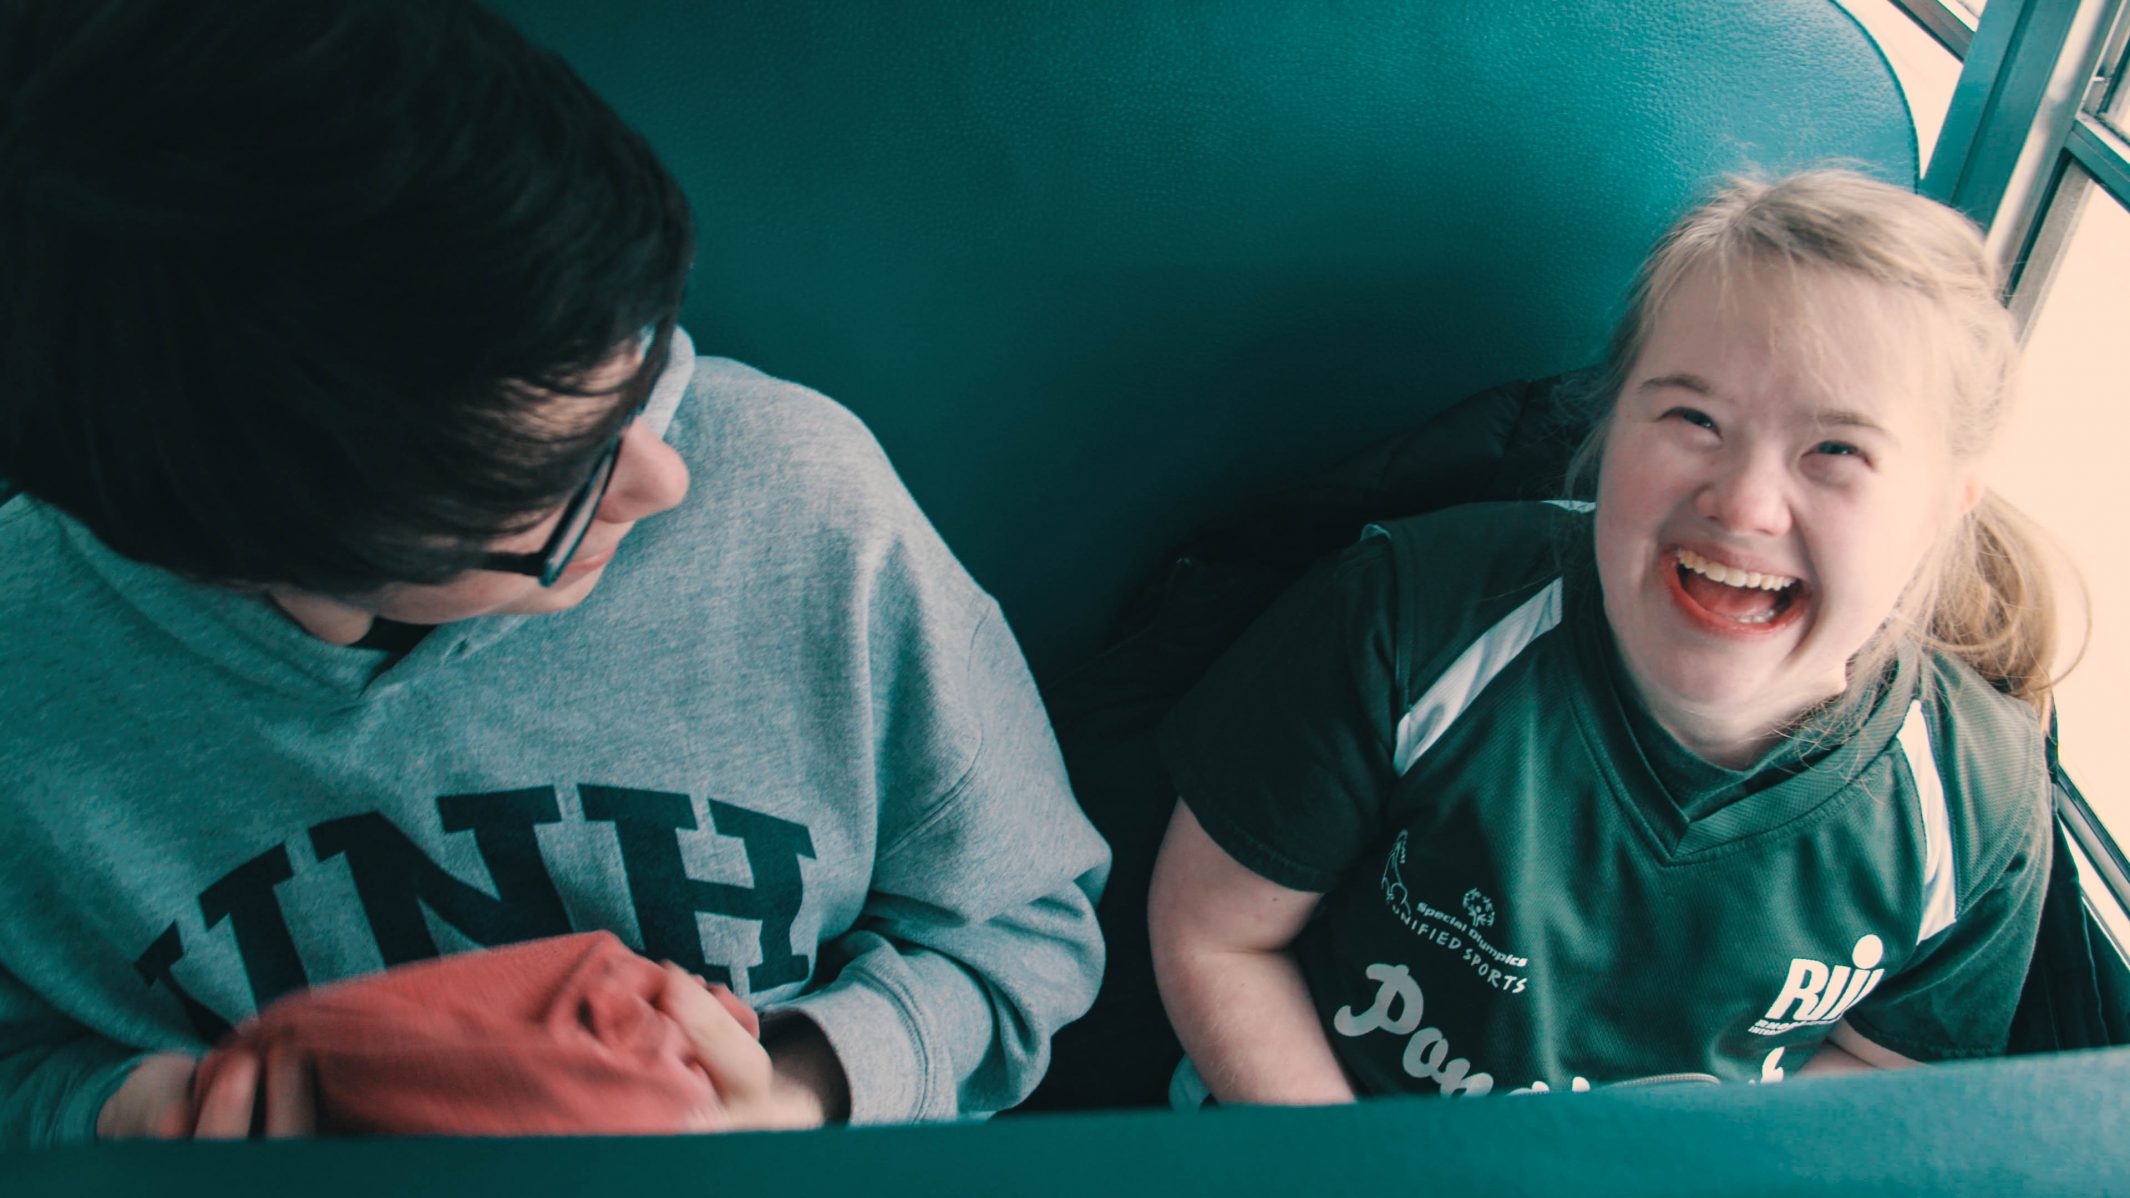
54, 1074
977, 940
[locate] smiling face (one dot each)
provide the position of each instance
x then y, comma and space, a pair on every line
1776, 470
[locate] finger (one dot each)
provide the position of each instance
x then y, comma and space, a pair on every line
167, 1078
738, 1009
225, 1110
695, 1007
173, 1123
738, 1066
291, 1096
668, 964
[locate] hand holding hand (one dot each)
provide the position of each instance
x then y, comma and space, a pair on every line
754, 1092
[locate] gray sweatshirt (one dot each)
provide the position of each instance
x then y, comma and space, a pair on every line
786, 742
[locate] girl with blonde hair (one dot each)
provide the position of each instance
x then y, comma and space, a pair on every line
1750, 779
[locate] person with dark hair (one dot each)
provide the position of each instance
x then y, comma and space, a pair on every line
335, 340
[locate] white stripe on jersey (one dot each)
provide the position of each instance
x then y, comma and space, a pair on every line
1940, 892
1486, 657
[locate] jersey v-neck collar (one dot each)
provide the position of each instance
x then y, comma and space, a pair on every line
1770, 815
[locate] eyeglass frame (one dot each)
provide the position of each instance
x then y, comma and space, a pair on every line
548, 563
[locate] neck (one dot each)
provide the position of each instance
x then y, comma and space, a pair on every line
326, 618
1723, 736
1733, 746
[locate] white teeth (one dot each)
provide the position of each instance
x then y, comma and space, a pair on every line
1731, 575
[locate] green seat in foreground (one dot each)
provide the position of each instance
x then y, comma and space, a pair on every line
1094, 271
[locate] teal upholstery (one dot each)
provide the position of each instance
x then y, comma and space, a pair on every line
1092, 271
2033, 1126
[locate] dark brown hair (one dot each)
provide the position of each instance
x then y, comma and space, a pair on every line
285, 284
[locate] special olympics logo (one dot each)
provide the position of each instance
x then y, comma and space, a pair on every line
1479, 908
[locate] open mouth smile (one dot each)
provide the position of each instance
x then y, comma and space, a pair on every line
1732, 601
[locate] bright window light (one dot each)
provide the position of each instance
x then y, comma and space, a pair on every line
2061, 460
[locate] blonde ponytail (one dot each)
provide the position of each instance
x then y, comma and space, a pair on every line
1993, 604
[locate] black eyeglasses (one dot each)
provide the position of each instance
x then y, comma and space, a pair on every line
548, 564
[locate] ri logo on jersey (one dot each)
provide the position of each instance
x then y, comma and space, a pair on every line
1815, 994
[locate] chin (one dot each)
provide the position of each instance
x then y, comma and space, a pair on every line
1773, 694
568, 592
1712, 684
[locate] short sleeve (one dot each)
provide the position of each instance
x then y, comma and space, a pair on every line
1283, 750
1956, 998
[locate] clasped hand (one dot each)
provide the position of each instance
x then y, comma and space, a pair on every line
279, 1097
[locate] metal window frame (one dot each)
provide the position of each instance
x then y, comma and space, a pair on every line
2008, 132
2094, 157
2117, 54
2104, 153
1948, 25
2107, 869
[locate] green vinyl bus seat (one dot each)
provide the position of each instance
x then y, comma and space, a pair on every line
1093, 271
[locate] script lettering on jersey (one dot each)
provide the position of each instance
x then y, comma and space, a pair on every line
399, 888
1399, 1007
1397, 1010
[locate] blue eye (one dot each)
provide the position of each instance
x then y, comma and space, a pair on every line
1838, 449
1693, 416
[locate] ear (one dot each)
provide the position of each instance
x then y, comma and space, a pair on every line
324, 617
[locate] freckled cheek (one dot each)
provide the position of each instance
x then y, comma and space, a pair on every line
1625, 529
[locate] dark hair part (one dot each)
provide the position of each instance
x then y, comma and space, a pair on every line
288, 287
1984, 593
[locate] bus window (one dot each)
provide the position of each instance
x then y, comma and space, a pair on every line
2074, 484
1927, 67
2020, 111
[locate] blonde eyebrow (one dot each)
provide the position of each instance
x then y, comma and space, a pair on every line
1690, 382
1845, 418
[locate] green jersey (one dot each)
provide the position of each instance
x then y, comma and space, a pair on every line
1432, 731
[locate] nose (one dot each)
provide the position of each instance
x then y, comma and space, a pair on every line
1747, 496
649, 477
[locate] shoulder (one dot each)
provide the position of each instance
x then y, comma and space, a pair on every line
1463, 573
1416, 587
787, 484
39, 578
1985, 753
1486, 546
69, 630
739, 420
765, 450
